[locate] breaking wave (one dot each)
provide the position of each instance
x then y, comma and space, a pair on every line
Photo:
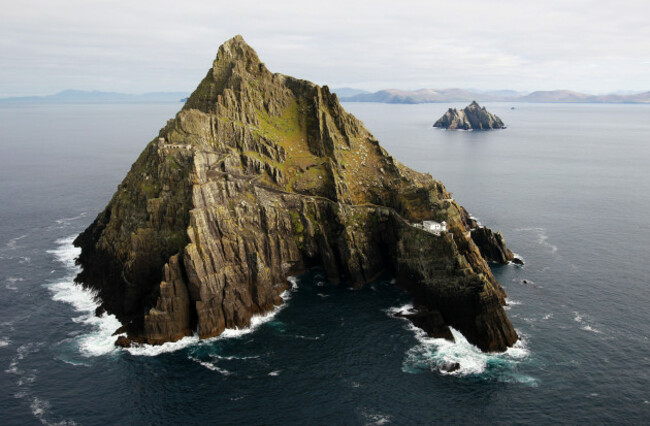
461, 358
100, 340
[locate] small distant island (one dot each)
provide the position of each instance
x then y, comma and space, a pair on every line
472, 117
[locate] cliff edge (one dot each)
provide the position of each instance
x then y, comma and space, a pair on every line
259, 177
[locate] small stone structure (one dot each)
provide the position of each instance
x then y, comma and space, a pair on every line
432, 226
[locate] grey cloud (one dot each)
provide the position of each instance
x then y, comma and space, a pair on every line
141, 46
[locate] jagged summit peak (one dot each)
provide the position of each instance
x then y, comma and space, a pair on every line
236, 49
235, 66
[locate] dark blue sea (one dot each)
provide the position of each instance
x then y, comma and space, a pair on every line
567, 185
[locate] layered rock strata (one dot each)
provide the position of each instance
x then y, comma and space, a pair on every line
472, 117
259, 177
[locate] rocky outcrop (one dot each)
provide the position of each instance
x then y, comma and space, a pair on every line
259, 177
491, 245
472, 117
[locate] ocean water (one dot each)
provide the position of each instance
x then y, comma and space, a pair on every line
566, 184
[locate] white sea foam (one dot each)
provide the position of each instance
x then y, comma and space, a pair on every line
74, 363
401, 310
376, 419
21, 353
517, 256
155, 350
27, 379
38, 407
299, 336
67, 220
275, 373
65, 252
232, 357
510, 303
99, 341
294, 282
432, 354
322, 296
548, 316
211, 366
13, 243
585, 324
4, 342
12, 283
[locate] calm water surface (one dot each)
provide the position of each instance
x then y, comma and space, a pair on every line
566, 184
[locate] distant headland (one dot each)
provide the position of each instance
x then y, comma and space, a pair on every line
97, 97
423, 96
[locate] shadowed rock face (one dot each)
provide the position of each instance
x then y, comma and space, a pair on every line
491, 245
472, 116
261, 176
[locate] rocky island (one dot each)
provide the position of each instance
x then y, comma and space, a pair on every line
472, 117
259, 177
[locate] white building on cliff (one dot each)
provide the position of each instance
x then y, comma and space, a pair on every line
432, 226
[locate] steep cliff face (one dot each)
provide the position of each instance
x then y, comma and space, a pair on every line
473, 116
261, 176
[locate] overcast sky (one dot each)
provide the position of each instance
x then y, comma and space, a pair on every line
142, 46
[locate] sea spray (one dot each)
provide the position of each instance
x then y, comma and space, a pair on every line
433, 354
100, 340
